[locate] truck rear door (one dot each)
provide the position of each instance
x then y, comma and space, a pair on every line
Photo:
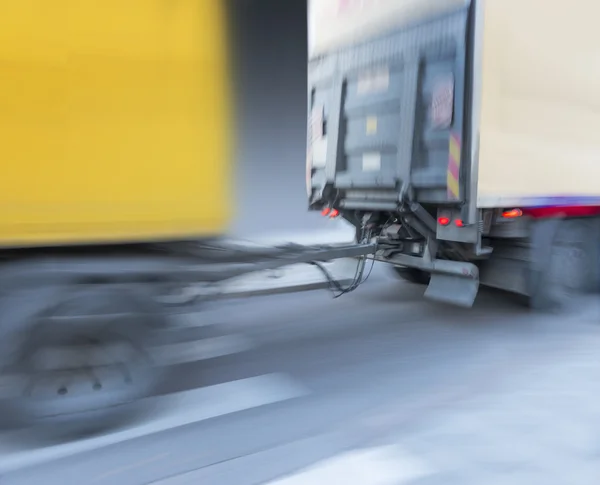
387, 102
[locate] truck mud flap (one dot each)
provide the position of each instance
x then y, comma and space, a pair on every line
455, 289
454, 282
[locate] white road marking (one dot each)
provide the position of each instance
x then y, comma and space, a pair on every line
388, 465
172, 411
207, 348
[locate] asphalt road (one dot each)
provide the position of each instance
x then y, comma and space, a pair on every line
280, 383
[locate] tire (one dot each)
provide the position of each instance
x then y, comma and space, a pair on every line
104, 368
412, 275
564, 262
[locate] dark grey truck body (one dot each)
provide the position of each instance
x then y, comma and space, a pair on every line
392, 80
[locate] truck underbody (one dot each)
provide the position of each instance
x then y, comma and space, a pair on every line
546, 260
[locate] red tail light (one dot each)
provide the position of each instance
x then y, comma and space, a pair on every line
512, 214
444, 221
459, 223
325, 212
334, 213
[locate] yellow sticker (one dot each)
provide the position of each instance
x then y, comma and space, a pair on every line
371, 125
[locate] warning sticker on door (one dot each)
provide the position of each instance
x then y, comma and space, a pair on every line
441, 109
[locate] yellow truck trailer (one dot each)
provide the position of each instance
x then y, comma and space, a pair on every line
116, 150
105, 110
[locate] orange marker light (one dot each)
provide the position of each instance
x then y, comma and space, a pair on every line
444, 221
512, 214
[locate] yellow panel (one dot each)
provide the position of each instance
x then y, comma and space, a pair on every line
540, 101
114, 120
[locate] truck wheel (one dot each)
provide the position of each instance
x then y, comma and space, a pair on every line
82, 365
564, 262
413, 275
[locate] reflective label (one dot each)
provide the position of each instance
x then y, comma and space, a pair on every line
319, 153
373, 81
371, 125
316, 123
371, 162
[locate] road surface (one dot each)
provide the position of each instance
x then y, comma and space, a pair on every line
374, 388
